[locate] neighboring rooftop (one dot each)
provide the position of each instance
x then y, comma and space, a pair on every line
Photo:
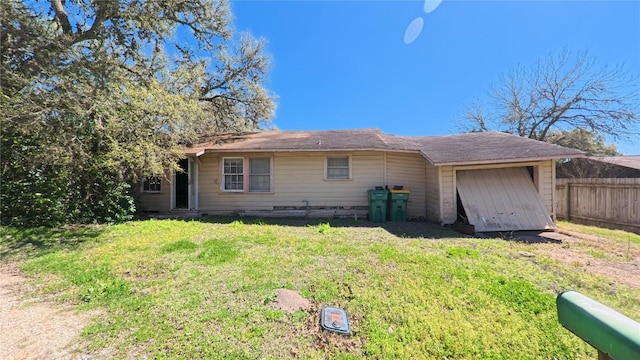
630, 161
471, 148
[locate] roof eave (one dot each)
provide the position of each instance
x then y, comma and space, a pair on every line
194, 153
308, 150
505, 161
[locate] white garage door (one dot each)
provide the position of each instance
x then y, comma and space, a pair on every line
502, 200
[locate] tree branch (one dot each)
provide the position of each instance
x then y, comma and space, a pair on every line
220, 96
61, 16
104, 10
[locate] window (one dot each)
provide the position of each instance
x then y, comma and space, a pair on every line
338, 167
259, 175
151, 184
258, 170
233, 174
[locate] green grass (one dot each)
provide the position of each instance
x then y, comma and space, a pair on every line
189, 289
616, 235
180, 245
597, 254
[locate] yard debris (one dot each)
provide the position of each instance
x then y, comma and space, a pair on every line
290, 300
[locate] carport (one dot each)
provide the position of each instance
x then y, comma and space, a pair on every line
492, 180
504, 199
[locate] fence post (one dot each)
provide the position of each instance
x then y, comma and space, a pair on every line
568, 207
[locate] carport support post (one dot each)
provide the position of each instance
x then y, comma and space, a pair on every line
568, 201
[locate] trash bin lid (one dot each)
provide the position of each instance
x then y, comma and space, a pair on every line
377, 191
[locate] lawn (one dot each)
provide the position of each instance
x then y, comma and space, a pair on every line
615, 235
206, 289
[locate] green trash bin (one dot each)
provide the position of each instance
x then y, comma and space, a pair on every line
397, 203
378, 205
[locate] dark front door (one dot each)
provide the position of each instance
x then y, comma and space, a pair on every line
182, 185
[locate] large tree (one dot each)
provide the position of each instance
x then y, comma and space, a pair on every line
98, 94
561, 92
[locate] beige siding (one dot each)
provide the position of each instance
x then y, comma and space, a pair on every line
409, 170
546, 180
448, 194
296, 178
432, 195
156, 201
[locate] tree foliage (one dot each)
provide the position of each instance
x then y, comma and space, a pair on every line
98, 94
560, 93
590, 142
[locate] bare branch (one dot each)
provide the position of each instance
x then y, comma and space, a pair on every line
562, 92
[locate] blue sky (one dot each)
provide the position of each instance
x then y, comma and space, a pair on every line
345, 64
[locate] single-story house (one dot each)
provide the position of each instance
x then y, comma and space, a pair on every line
492, 180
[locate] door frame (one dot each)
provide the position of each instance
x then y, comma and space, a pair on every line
192, 187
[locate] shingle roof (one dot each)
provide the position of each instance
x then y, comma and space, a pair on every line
487, 147
473, 148
630, 161
360, 139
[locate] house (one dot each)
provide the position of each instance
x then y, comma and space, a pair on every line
495, 181
611, 167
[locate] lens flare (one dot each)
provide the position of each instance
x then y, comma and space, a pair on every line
413, 30
430, 5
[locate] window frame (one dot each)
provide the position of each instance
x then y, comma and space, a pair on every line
246, 175
264, 174
145, 186
349, 167
223, 183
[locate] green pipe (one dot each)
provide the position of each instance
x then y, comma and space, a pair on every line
605, 329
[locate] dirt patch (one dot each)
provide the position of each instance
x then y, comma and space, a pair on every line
614, 260
32, 328
289, 300
325, 340
617, 261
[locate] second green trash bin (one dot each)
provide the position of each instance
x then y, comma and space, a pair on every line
377, 205
397, 203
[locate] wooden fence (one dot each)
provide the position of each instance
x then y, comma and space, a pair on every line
613, 203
